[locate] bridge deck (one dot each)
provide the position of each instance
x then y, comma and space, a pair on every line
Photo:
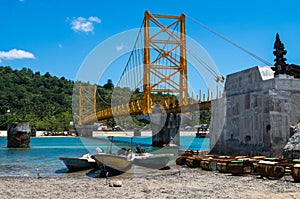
135, 108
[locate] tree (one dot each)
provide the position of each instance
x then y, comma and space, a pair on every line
109, 84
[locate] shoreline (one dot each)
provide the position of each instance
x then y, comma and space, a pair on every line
98, 133
189, 183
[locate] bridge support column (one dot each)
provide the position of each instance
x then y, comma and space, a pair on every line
165, 129
18, 135
85, 130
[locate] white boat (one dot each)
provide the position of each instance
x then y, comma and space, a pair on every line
78, 164
123, 160
153, 161
114, 163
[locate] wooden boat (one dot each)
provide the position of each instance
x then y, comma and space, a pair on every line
78, 164
153, 161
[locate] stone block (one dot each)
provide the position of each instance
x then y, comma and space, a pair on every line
256, 113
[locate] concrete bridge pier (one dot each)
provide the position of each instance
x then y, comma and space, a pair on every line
18, 135
85, 130
165, 128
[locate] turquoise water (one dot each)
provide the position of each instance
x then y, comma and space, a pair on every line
43, 154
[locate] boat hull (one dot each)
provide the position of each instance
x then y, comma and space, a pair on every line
152, 162
78, 164
115, 162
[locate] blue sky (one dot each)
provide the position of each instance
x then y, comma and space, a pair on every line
57, 35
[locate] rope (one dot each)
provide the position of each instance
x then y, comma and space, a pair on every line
231, 42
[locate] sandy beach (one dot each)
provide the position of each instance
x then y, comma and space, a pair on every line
188, 183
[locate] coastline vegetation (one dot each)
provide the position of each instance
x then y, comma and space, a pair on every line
45, 101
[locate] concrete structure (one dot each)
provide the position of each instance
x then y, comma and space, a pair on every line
18, 135
255, 114
85, 130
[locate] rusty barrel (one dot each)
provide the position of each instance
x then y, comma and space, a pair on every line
295, 170
206, 164
183, 155
270, 168
181, 160
240, 167
223, 162
193, 161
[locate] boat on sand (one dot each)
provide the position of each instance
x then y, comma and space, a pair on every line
78, 164
153, 161
114, 163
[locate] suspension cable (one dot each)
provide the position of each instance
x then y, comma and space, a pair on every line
133, 49
231, 42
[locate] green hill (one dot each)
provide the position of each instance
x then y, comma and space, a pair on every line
43, 100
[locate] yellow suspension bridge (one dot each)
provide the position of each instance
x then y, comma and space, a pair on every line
157, 65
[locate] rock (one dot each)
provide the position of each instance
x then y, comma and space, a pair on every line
115, 183
292, 148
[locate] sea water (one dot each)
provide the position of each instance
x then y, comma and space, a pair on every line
42, 158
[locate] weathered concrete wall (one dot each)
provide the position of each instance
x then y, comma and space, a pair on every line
259, 111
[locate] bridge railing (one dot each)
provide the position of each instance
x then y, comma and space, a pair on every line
136, 108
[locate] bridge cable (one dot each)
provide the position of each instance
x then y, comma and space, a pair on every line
231, 42
210, 70
132, 52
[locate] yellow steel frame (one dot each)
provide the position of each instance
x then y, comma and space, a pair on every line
179, 64
87, 103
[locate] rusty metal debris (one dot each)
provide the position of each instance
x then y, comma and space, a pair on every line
270, 168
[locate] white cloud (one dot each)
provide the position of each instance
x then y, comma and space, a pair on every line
120, 47
83, 24
16, 54
95, 19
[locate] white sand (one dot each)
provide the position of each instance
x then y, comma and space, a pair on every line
191, 183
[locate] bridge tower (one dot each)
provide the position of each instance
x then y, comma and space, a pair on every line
165, 70
87, 103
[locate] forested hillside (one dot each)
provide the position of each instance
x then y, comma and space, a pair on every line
43, 100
